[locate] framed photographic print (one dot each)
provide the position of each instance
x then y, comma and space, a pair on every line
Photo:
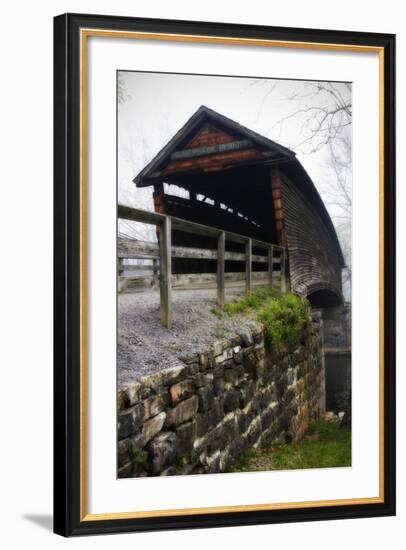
224, 274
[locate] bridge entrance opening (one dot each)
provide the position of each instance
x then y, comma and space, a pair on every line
324, 298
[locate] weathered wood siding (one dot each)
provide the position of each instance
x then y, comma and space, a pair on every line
209, 135
211, 162
313, 261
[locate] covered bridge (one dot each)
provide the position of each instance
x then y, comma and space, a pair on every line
236, 180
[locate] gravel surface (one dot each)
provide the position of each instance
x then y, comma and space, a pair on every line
144, 346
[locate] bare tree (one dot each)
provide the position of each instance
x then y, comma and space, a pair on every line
338, 197
325, 119
325, 112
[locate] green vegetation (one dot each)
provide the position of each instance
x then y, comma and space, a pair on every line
182, 459
284, 316
325, 445
138, 458
217, 312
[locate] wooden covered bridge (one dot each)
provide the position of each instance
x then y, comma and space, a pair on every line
226, 189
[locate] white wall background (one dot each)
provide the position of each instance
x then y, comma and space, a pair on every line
26, 273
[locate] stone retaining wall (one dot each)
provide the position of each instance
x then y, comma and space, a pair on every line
200, 416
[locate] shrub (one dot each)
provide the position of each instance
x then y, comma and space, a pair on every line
284, 320
284, 316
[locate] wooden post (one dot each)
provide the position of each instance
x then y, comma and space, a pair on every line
166, 272
283, 270
221, 254
248, 266
120, 266
270, 265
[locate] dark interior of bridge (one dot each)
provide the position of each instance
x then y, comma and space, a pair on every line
238, 200
324, 298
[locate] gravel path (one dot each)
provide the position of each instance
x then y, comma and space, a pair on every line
145, 346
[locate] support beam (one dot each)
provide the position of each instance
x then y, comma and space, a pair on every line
248, 267
270, 265
221, 254
165, 242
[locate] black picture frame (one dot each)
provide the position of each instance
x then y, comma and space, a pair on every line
68, 520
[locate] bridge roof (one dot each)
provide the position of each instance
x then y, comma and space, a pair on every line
210, 143
231, 137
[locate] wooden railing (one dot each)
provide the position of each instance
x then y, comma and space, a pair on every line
164, 252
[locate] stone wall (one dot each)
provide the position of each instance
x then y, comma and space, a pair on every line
202, 415
337, 327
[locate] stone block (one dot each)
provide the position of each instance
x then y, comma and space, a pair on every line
155, 404
162, 450
218, 371
186, 434
253, 433
265, 398
183, 412
218, 386
153, 383
193, 369
216, 439
243, 422
234, 374
190, 358
122, 452
267, 418
121, 400
247, 391
211, 360
134, 393
216, 412
153, 426
225, 356
231, 401
203, 379
237, 448
202, 424
181, 391
127, 447
218, 348
174, 374
206, 398
221, 435
203, 361
250, 362
213, 463
238, 356
130, 420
